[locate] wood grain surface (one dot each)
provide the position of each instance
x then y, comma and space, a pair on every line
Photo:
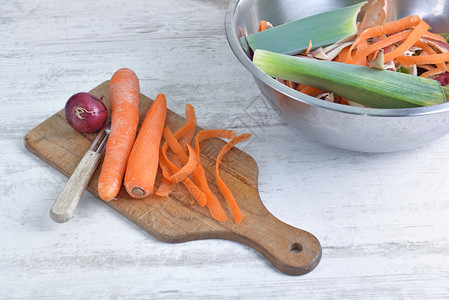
174, 218
381, 218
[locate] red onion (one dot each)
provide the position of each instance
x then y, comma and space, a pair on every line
85, 113
443, 79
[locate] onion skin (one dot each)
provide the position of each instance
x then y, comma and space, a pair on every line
443, 79
85, 112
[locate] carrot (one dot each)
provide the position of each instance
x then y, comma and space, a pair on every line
144, 157
190, 162
344, 101
423, 59
175, 145
165, 187
290, 84
210, 133
384, 29
185, 134
214, 206
341, 57
435, 36
311, 91
308, 48
197, 194
391, 27
435, 71
188, 136
425, 48
225, 191
168, 168
414, 36
262, 25
361, 46
429, 51
181, 174
300, 86
124, 95
381, 44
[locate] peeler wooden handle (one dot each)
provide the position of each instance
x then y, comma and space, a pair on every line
64, 206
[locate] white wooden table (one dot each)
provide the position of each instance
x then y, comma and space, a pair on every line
382, 219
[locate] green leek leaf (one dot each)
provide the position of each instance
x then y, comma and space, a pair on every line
364, 85
322, 29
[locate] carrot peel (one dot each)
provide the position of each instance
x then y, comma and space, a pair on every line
214, 206
186, 170
225, 191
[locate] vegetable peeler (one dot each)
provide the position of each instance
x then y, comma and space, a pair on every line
64, 206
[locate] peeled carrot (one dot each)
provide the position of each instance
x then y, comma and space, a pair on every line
124, 97
225, 191
144, 157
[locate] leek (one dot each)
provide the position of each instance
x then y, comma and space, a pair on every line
364, 85
322, 29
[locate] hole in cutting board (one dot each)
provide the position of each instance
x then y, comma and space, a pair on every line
296, 247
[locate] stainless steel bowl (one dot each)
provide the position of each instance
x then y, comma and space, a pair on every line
351, 128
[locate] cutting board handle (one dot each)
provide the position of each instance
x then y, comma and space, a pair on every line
291, 250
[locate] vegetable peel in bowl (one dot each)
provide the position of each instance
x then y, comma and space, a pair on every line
397, 64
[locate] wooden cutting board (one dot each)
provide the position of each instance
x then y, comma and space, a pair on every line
173, 219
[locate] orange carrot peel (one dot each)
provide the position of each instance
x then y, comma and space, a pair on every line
225, 191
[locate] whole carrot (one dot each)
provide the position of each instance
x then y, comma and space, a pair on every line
144, 157
124, 95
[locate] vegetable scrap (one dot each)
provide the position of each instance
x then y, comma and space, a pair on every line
405, 46
226, 192
361, 84
135, 161
293, 37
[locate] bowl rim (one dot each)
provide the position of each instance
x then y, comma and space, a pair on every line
236, 48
